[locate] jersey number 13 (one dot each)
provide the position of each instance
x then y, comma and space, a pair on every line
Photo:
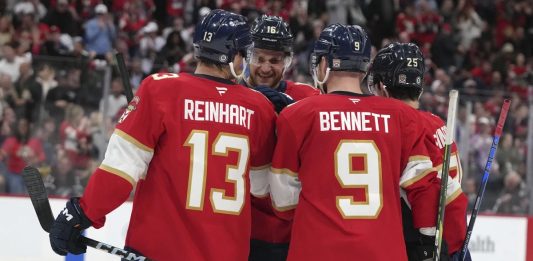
225, 142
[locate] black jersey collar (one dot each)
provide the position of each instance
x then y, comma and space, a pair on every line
350, 93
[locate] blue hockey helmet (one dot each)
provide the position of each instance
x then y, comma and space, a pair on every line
345, 47
400, 67
272, 33
220, 36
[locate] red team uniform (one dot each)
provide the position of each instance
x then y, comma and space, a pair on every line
186, 143
266, 225
339, 161
298, 90
456, 201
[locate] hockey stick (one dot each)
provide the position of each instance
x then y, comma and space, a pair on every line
450, 130
41, 204
124, 75
488, 165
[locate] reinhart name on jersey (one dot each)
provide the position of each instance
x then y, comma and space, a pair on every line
353, 121
218, 112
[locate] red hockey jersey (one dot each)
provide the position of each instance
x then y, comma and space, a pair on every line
187, 142
298, 90
456, 201
340, 161
266, 225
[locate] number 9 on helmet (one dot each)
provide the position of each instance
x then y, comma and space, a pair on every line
345, 48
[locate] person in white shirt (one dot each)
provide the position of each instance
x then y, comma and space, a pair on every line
116, 100
10, 64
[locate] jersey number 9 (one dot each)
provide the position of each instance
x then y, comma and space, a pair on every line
369, 179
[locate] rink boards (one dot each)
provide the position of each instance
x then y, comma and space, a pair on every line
21, 237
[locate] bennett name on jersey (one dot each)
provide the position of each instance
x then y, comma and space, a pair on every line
217, 112
353, 121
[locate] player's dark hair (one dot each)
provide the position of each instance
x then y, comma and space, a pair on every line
211, 64
405, 93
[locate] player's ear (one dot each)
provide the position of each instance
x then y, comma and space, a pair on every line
381, 89
384, 89
322, 66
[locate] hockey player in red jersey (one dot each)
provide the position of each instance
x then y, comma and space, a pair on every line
270, 57
341, 158
398, 72
186, 144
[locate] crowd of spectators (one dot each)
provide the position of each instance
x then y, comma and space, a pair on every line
54, 55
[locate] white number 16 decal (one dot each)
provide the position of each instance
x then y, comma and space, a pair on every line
368, 179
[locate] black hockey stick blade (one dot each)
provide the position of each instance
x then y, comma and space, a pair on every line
124, 75
39, 198
41, 204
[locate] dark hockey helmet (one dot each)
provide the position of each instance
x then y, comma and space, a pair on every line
220, 36
398, 66
272, 33
345, 47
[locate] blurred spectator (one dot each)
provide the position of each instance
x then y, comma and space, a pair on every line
171, 53
508, 156
481, 143
64, 94
20, 98
149, 45
64, 17
47, 134
514, 199
136, 73
100, 32
470, 189
443, 48
345, 12
63, 178
116, 100
427, 24
53, 45
381, 19
72, 132
469, 25
10, 64
30, 6
46, 79
18, 151
6, 30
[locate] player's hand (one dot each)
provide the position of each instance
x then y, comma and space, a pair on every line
279, 99
424, 249
66, 229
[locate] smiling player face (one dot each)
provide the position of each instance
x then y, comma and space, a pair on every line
266, 67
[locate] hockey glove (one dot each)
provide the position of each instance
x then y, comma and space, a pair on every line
66, 229
279, 99
424, 249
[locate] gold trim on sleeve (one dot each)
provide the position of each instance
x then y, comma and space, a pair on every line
119, 173
133, 141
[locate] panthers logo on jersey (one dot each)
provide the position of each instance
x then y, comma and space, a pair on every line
131, 107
